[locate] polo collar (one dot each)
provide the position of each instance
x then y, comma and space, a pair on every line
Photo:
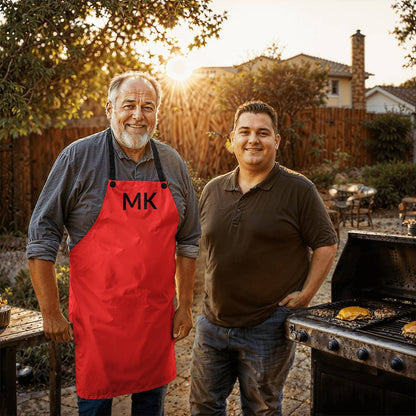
232, 182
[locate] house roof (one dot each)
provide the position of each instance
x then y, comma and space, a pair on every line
336, 69
405, 94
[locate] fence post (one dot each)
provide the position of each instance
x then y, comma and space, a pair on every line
22, 189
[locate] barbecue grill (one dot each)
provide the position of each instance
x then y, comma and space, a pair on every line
364, 367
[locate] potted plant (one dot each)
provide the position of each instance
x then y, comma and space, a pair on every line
411, 226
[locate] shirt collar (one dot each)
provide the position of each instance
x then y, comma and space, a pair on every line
232, 182
148, 154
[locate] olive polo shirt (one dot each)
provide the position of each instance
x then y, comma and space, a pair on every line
258, 243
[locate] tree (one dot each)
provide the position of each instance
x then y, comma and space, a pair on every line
288, 88
410, 83
390, 138
406, 31
56, 54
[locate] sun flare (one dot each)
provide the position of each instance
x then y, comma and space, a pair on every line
178, 68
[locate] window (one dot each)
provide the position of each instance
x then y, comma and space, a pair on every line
333, 87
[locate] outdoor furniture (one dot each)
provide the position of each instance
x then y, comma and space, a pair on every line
26, 330
361, 207
348, 206
407, 208
340, 194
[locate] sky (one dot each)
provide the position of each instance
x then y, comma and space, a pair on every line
320, 28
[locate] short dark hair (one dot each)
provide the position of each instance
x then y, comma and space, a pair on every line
256, 107
117, 80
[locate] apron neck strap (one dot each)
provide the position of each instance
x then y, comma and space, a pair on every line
159, 169
111, 155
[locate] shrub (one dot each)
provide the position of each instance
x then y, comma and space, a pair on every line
390, 137
393, 181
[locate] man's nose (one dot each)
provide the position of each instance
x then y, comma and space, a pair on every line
252, 138
137, 113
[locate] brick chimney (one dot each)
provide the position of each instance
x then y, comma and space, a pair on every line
358, 71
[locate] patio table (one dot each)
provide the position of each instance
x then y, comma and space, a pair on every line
26, 330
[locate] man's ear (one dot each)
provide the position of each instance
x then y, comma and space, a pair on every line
230, 143
108, 109
278, 138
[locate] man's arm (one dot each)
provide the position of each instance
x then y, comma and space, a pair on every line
55, 325
321, 262
185, 279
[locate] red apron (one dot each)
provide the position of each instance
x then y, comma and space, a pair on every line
122, 285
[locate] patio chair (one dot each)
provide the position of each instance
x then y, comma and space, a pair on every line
360, 208
407, 208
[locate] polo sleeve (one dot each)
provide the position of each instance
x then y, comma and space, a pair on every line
315, 225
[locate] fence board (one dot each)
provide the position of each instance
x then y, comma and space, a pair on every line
185, 121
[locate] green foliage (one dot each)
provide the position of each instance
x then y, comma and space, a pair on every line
405, 32
22, 295
390, 137
288, 88
410, 83
393, 181
56, 54
197, 182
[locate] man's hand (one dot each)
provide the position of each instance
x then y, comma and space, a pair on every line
294, 300
182, 323
57, 328
43, 276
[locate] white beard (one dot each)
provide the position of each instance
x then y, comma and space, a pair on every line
131, 142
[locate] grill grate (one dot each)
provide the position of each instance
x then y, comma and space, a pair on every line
392, 330
326, 313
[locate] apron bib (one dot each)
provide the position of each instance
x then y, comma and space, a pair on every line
122, 286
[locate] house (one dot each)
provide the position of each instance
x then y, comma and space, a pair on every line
383, 99
346, 87
214, 71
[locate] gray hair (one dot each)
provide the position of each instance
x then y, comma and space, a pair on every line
117, 80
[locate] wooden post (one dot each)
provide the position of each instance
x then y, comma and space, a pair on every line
55, 378
8, 403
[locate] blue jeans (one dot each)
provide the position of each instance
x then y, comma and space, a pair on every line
146, 403
259, 357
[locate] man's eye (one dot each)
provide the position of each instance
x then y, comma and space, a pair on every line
128, 106
148, 108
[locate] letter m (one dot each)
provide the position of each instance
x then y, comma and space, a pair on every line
126, 200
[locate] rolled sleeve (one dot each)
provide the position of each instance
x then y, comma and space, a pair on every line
47, 221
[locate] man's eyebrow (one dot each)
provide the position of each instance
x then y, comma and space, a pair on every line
132, 100
259, 129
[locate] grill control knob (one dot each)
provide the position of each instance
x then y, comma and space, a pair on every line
333, 345
363, 354
396, 364
301, 336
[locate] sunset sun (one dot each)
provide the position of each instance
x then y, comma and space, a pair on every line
178, 68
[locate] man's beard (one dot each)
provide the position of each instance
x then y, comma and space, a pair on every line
137, 142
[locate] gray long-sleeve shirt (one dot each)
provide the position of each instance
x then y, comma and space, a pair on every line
76, 186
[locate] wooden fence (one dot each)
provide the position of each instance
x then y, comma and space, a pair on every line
188, 120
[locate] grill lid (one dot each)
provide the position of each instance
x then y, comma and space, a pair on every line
376, 266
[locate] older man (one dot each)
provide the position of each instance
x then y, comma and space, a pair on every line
129, 207
259, 223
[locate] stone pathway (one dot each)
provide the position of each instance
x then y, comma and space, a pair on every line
297, 390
